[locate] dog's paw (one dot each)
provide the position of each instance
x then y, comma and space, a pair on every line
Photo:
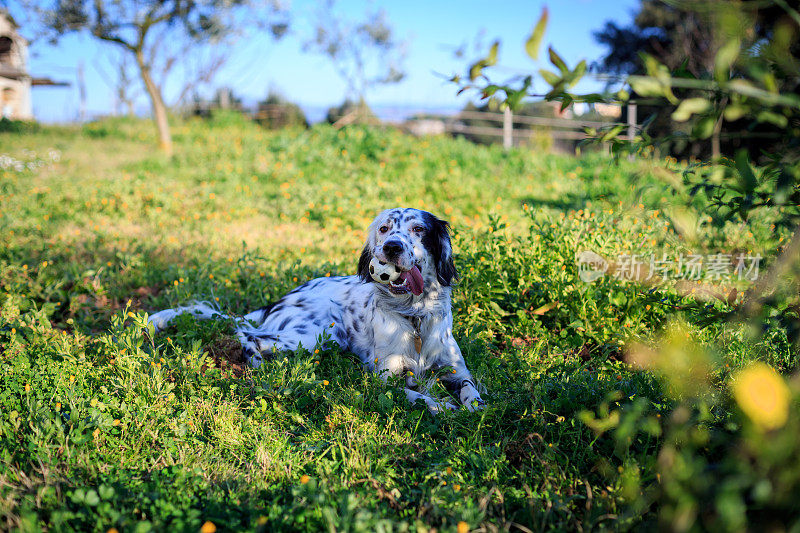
161, 319
476, 404
471, 398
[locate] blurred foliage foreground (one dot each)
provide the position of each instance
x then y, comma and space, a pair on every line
623, 403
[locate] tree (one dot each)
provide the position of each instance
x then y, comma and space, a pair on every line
677, 37
682, 39
151, 29
364, 53
686, 37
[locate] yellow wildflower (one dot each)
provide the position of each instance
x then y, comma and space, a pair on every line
763, 396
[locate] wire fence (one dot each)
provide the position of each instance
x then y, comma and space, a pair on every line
519, 128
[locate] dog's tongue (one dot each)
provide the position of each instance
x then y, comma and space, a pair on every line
414, 279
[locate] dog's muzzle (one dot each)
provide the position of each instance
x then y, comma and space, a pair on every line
398, 281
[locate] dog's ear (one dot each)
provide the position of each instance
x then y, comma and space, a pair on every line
437, 241
363, 264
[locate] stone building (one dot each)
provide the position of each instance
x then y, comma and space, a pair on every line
15, 82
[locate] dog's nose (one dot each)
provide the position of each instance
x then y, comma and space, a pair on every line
392, 248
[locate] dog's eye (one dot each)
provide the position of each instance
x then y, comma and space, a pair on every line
418, 229
383, 229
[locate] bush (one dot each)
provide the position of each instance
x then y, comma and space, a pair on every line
275, 112
354, 112
18, 126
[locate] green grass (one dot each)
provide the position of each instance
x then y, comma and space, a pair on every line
104, 426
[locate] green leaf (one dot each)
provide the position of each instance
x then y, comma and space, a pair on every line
578, 73
725, 58
545, 308
556, 60
550, 77
734, 112
91, 498
489, 90
747, 179
773, 118
514, 98
613, 132
651, 64
535, 40
704, 128
497, 309
645, 86
385, 401
689, 107
477, 68
491, 59
78, 496
770, 83
105, 492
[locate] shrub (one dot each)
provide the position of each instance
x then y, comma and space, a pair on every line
275, 112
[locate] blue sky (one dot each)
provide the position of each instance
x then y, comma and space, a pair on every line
432, 30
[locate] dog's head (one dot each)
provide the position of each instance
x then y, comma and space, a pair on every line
417, 243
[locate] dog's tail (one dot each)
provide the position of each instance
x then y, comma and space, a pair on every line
200, 310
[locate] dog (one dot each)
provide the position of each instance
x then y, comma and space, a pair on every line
398, 327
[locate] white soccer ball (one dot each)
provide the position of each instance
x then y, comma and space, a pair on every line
383, 272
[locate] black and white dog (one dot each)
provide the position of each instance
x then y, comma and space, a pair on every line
398, 327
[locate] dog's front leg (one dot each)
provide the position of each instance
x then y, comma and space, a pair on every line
395, 365
458, 378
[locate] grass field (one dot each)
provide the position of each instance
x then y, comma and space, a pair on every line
104, 426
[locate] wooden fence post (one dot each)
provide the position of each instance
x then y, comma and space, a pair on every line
508, 128
631, 124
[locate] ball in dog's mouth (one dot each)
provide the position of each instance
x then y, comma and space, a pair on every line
409, 280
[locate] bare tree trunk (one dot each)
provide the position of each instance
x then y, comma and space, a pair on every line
157, 101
